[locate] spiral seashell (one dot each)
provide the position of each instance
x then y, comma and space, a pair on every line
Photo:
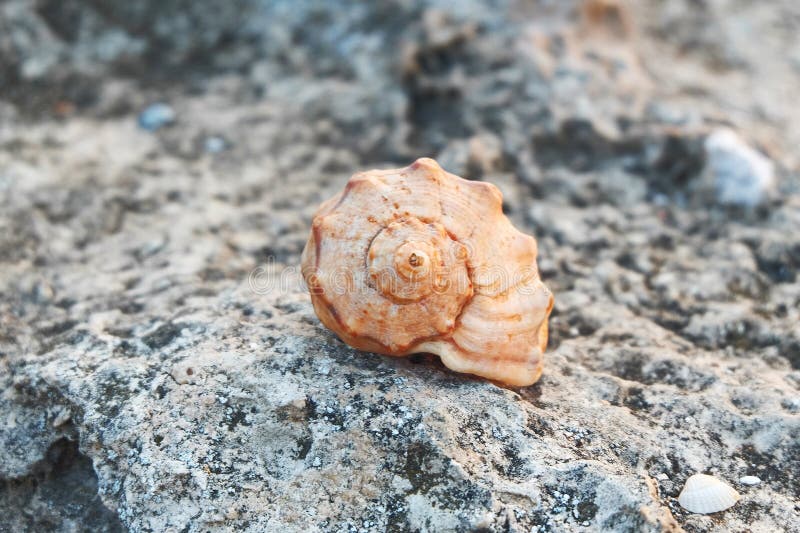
417, 260
705, 494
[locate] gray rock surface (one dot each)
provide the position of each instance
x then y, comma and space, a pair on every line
161, 367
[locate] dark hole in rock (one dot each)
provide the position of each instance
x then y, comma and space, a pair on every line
60, 496
163, 336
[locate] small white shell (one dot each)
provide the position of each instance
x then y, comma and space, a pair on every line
706, 494
749, 480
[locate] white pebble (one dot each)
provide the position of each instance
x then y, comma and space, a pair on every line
214, 145
156, 116
749, 480
742, 175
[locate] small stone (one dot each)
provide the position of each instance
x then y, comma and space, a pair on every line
62, 418
661, 476
749, 480
742, 176
156, 116
791, 405
215, 144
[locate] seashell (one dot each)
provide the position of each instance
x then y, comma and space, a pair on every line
706, 494
418, 260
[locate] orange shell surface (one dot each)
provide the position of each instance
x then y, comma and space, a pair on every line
418, 260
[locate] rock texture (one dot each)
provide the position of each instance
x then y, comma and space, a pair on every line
161, 367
